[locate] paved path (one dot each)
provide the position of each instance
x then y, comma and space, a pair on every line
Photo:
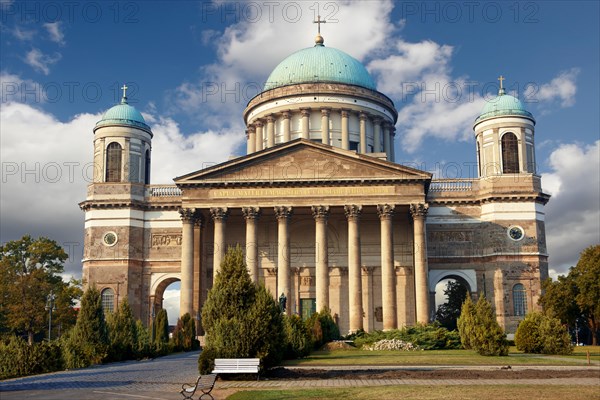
161, 379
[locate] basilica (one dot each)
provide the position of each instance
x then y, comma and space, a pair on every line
324, 214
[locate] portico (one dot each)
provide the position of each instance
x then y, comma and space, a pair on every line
353, 228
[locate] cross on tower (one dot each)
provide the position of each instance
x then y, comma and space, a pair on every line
501, 79
124, 90
319, 21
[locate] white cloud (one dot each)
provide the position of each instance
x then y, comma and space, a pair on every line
15, 89
55, 32
562, 88
250, 49
41, 62
23, 34
573, 213
46, 165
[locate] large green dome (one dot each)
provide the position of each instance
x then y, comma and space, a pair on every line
503, 105
123, 114
319, 64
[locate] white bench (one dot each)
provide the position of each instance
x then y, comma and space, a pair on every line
236, 366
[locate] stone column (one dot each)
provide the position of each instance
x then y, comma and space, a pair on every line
259, 134
388, 272
270, 130
377, 134
522, 150
321, 214
367, 287
499, 297
325, 125
392, 147
286, 126
345, 133
219, 216
251, 216
418, 212
283, 214
363, 132
186, 299
354, 260
199, 276
251, 148
386, 139
305, 121
125, 161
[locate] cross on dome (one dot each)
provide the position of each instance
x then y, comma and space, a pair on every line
319, 39
124, 99
501, 91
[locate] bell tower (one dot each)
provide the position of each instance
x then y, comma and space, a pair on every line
504, 135
115, 205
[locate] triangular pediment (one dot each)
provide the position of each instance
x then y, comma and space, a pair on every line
302, 161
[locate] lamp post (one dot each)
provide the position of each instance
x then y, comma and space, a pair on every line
152, 316
50, 306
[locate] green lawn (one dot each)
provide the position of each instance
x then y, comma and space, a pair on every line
505, 392
437, 357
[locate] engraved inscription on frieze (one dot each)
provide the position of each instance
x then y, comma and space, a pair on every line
159, 240
450, 236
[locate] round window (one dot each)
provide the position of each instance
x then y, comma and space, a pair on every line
109, 239
515, 233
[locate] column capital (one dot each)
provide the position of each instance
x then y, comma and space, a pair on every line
258, 123
419, 210
386, 124
377, 120
283, 212
353, 211
345, 112
199, 221
363, 116
305, 112
219, 213
320, 212
188, 214
251, 212
251, 129
271, 118
367, 270
325, 111
286, 114
385, 211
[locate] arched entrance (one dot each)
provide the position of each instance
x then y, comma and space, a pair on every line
165, 293
458, 283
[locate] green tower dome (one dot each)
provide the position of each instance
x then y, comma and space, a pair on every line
320, 64
123, 114
504, 105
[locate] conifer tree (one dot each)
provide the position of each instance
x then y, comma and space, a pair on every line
161, 329
240, 319
479, 330
122, 332
466, 322
87, 343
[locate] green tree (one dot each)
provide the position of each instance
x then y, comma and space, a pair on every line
466, 323
143, 347
240, 318
587, 279
479, 329
575, 297
88, 342
542, 334
447, 314
122, 332
29, 270
298, 337
161, 331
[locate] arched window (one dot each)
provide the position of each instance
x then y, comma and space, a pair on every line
519, 300
510, 153
108, 300
147, 168
113, 162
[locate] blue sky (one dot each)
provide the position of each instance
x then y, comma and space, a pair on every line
61, 64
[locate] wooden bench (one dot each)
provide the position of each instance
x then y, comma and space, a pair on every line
204, 383
236, 366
